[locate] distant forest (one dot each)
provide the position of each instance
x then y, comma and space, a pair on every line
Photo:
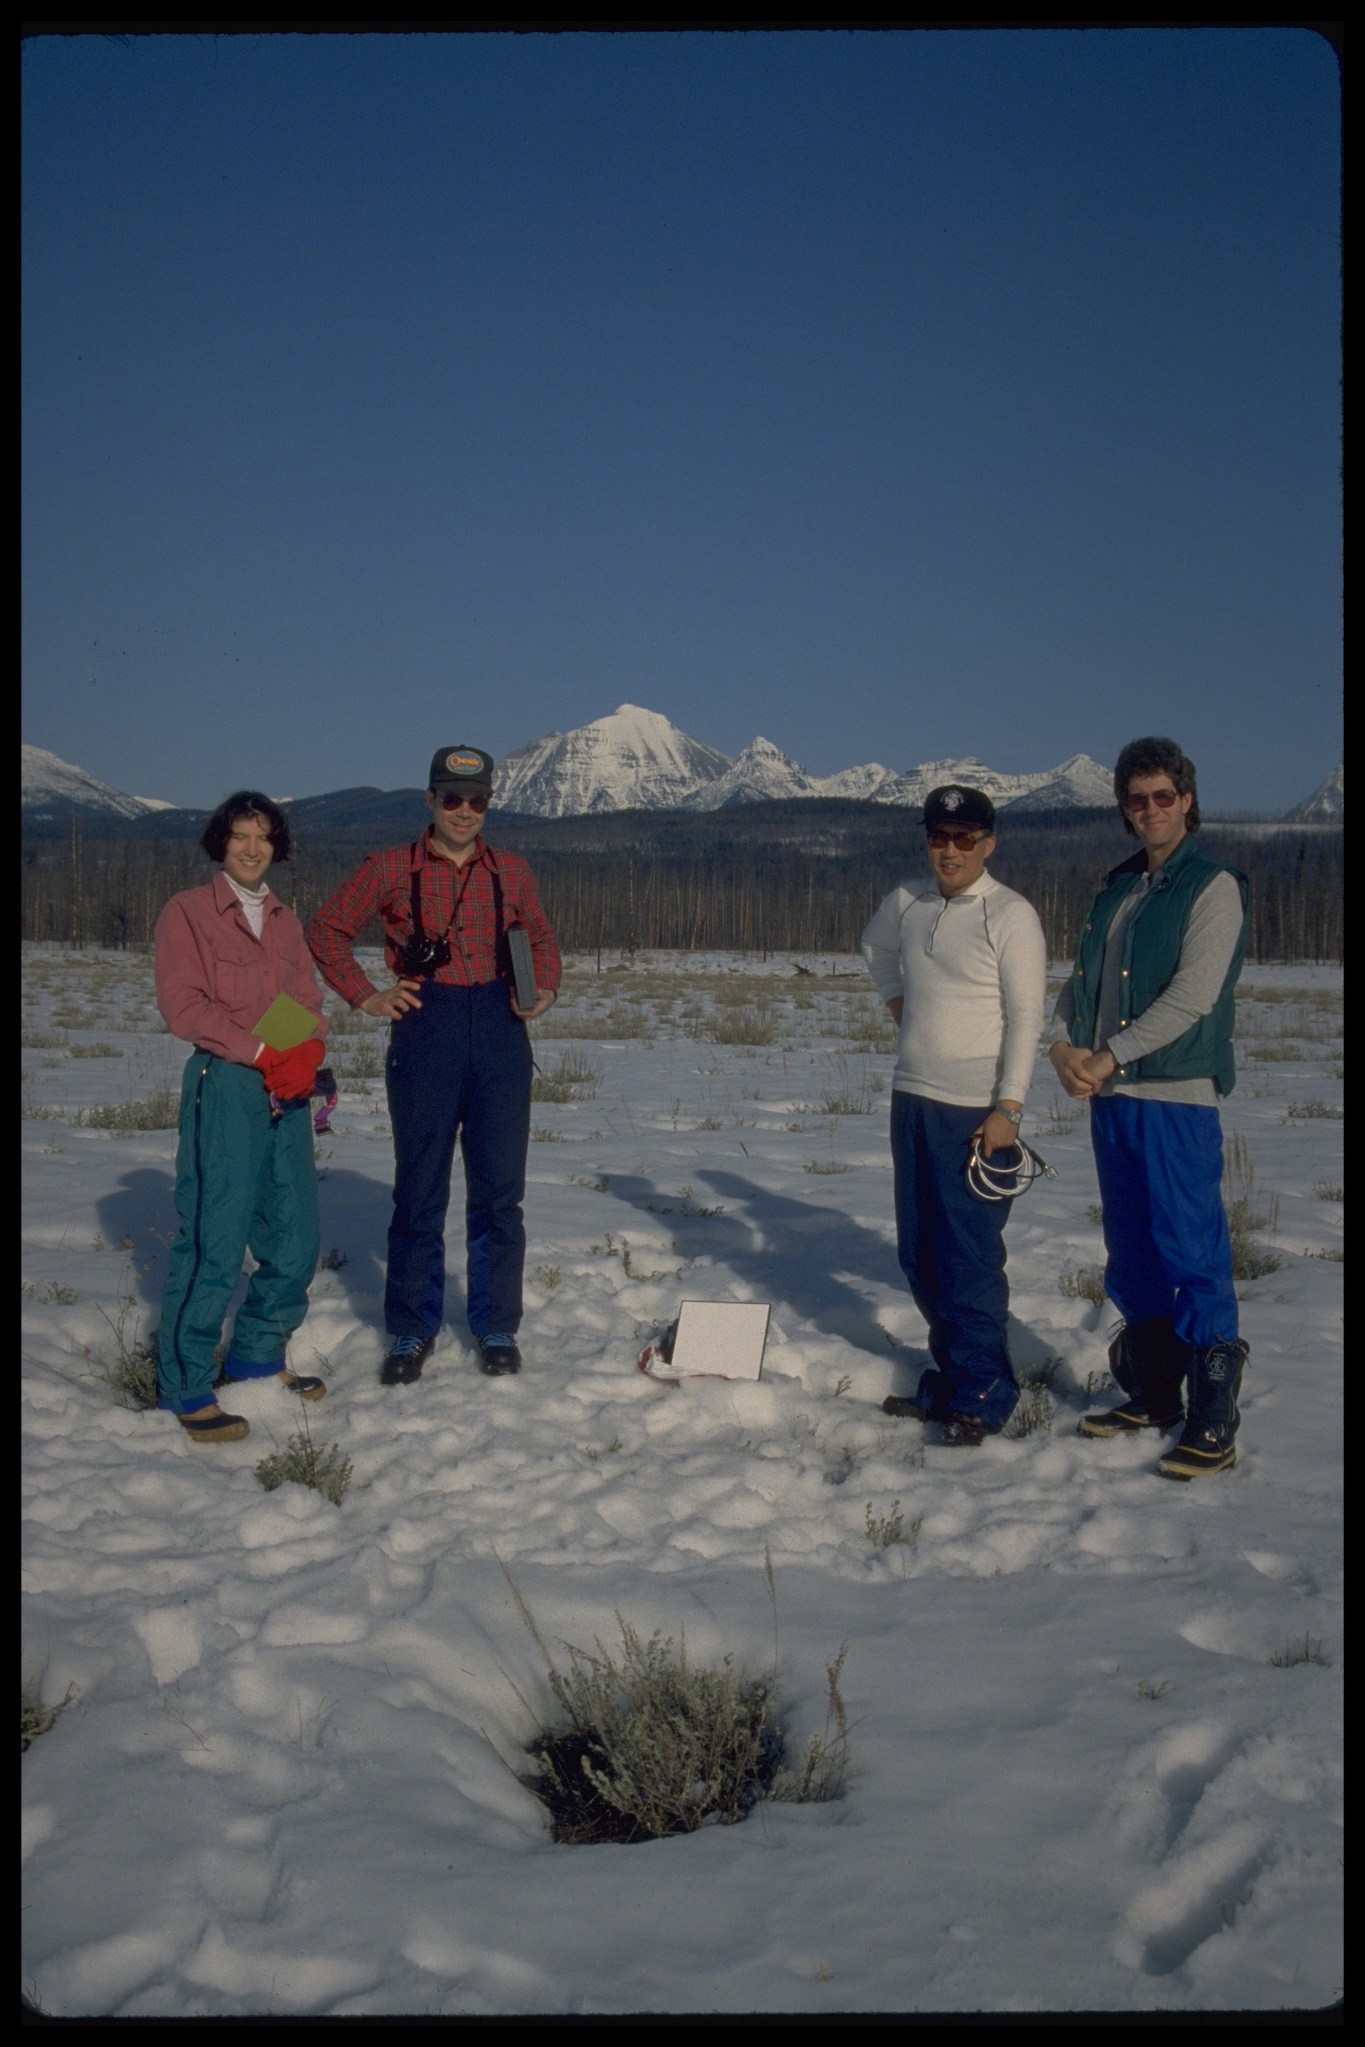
799, 876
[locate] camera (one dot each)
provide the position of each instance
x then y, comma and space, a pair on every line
422, 957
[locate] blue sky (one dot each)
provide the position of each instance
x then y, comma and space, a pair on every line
896, 395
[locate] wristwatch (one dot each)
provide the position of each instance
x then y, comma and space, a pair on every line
1014, 1116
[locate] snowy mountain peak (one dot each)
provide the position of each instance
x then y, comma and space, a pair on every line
631, 759
1326, 805
50, 787
761, 774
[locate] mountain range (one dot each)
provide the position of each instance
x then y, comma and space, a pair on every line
632, 759
638, 760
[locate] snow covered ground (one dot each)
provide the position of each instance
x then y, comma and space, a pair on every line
1097, 1743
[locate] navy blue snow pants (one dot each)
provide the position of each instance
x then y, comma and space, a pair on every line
952, 1251
460, 1066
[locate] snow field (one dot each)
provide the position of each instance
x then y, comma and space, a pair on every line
287, 1782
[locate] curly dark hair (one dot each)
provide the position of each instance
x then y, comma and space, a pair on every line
1156, 757
245, 803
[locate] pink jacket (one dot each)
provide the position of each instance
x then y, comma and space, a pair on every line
214, 980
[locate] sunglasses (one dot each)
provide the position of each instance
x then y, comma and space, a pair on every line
478, 804
1163, 799
962, 841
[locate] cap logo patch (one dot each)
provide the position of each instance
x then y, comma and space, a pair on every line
464, 763
952, 799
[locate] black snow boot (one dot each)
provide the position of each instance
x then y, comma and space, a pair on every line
1149, 1362
1206, 1444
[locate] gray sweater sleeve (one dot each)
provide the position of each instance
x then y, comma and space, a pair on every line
1211, 934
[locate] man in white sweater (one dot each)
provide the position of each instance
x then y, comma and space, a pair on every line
962, 965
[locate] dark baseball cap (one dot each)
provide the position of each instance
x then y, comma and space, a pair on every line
956, 806
462, 767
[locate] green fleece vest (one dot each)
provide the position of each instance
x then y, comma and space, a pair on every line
1151, 940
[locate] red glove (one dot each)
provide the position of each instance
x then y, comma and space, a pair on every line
289, 1075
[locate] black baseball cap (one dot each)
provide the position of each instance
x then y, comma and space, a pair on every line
956, 806
462, 767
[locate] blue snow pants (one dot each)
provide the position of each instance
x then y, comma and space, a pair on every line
460, 1066
244, 1181
952, 1250
1160, 1168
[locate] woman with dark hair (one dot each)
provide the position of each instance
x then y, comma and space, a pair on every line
246, 803
1144, 1032
245, 1179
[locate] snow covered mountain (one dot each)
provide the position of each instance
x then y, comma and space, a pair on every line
1076, 784
639, 760
632, 760
1326, 805
51, 789
761, 774
870, 784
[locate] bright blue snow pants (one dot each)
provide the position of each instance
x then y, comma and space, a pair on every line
1160, 1168
460, 1066
952, 1250
244, 1181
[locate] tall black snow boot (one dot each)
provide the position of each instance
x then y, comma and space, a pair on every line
1149, 1362
1206, 1443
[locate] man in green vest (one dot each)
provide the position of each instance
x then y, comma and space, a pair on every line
1143, 1031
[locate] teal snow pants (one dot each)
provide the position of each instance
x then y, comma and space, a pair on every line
244, 1181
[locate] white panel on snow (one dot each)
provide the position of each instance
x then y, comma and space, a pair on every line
722, 1338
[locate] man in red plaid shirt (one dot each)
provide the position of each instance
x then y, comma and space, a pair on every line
459, 1059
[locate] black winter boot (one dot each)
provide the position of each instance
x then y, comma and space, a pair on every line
1149, 1362
1206, 1444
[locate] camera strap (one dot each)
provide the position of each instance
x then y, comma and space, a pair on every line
499, 924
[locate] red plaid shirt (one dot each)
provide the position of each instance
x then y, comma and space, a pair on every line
457, 903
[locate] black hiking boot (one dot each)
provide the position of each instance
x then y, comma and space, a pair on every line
407, 1355
498, 1355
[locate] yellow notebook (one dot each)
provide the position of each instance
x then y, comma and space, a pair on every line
285, 1024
